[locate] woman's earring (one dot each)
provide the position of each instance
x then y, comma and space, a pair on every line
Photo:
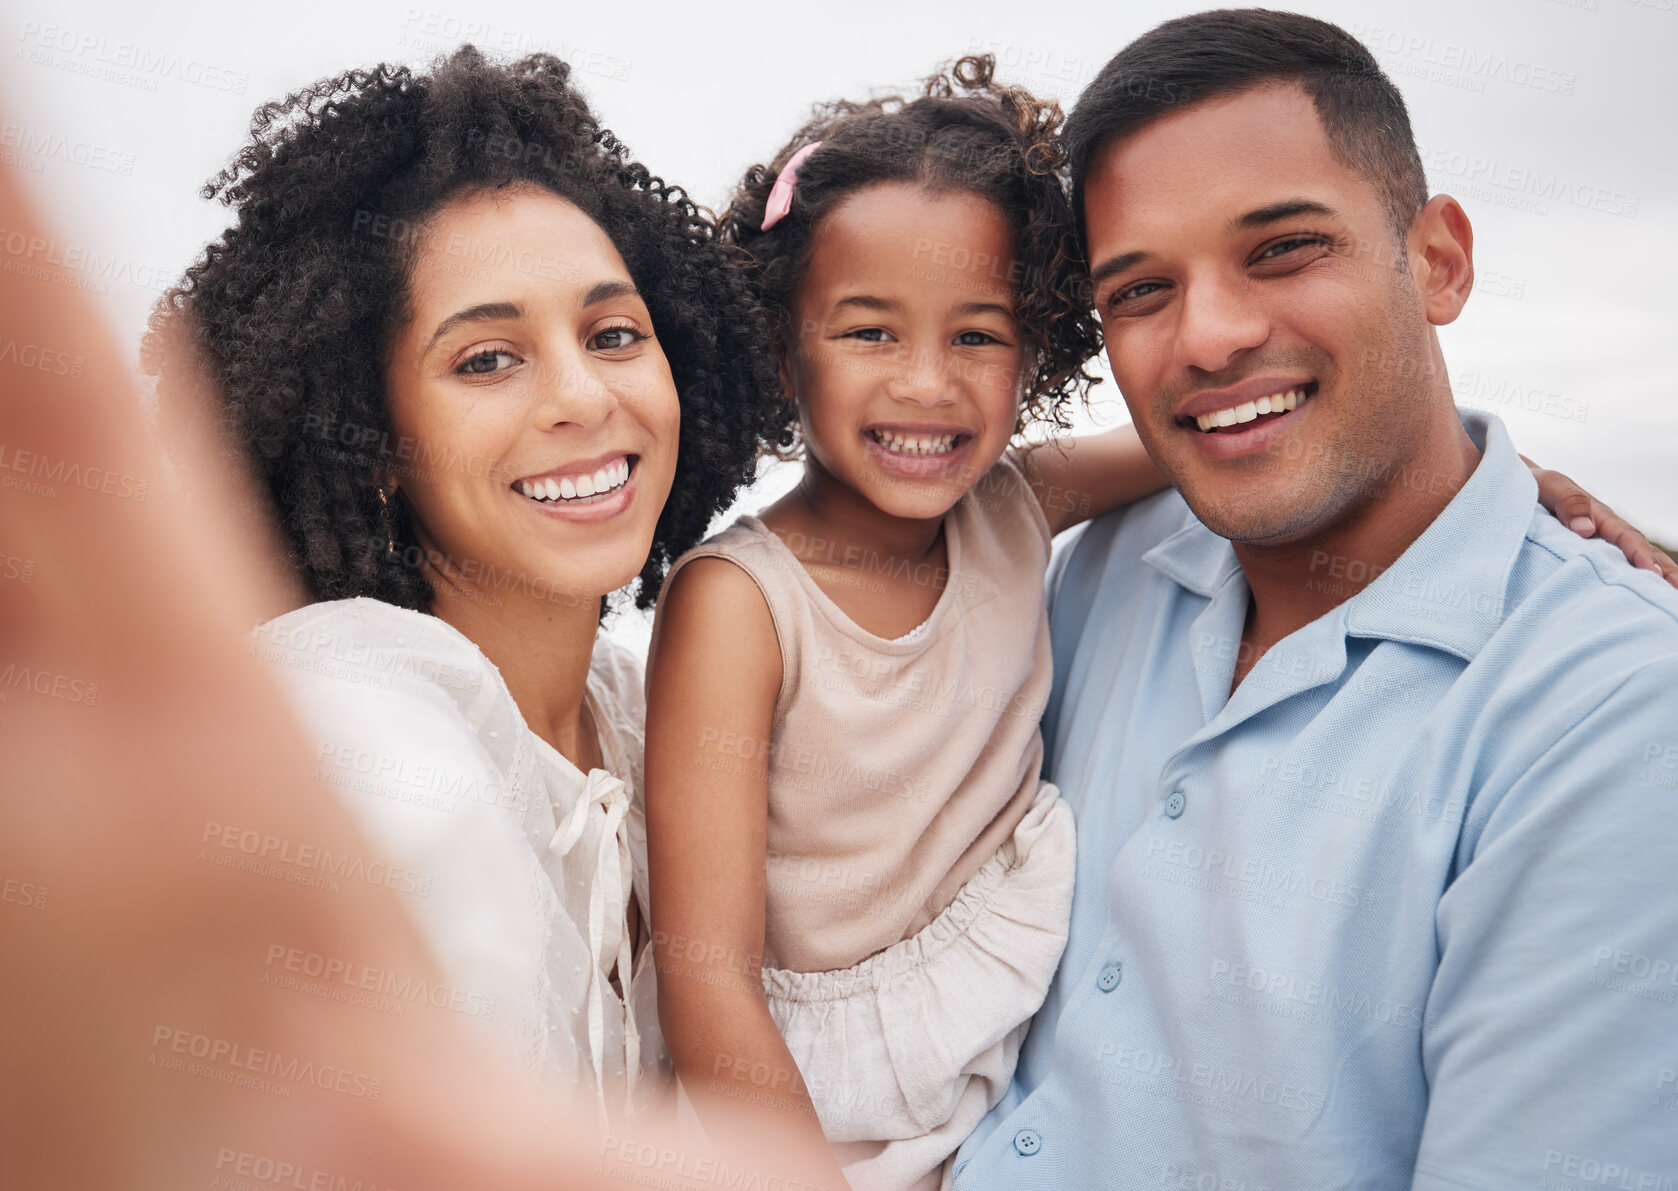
388, 518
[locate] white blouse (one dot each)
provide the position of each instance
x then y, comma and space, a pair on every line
517, 867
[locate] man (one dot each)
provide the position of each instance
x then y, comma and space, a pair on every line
1375, 764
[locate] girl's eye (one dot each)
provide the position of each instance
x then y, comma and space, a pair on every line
867, 335
485, 362
618, 338
976, 338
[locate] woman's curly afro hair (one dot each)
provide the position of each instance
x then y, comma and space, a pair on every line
965, 132
293, 309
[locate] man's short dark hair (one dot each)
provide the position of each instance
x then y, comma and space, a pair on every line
1209, 54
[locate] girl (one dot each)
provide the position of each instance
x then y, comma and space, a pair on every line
843, 745
489, 369
859, 882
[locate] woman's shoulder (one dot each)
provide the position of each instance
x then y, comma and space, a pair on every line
383, 662
409, 720
362, 624
376, 645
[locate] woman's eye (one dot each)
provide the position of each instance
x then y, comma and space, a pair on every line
487, 362
976, 338
617, 338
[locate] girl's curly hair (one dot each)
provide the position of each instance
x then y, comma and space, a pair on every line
293, 309
965, 132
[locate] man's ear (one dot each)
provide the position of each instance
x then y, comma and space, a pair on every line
1442, 258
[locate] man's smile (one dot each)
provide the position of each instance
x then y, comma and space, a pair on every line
1265, 408
1236, 409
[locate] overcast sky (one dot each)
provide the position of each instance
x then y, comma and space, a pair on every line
1551, 121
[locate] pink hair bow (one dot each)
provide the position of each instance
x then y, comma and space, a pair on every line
780, 197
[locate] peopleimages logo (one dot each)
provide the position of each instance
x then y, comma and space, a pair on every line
45, 682
48, 470
49, 260
236, 1063
1318, 1001
281, 1174
122, 61
344, 980
33, 144
1484, 176
40, 359
1585, 1171
313, 865
1648, 977
1220, 872
1458, 64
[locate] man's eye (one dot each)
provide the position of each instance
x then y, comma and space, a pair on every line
1283, 247
1140, 290
618, 338
486, 362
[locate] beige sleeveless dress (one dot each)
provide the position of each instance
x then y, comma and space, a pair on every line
919, 871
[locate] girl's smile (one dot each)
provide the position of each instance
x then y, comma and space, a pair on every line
918, 450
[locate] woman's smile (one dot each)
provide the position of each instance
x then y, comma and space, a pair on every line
583, 492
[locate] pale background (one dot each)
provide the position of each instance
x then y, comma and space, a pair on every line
1553, 123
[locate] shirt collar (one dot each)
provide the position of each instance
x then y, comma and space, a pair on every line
1446, 590
1194, 557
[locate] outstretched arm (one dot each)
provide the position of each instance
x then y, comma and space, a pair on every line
1077, 477
713, 677
126, 948
1588, 517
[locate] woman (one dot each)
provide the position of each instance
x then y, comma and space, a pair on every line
489, 370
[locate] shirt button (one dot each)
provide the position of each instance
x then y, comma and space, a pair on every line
1027, 1142
1175, 804
1110, 976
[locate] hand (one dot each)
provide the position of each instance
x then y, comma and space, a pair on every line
1588, 517
134, 718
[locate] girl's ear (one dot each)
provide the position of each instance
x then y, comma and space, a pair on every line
789, 395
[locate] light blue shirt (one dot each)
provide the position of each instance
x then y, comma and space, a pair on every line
1402, 912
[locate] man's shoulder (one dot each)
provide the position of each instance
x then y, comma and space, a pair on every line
1579, 599
1584, 665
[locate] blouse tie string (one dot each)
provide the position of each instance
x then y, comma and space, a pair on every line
608, 901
